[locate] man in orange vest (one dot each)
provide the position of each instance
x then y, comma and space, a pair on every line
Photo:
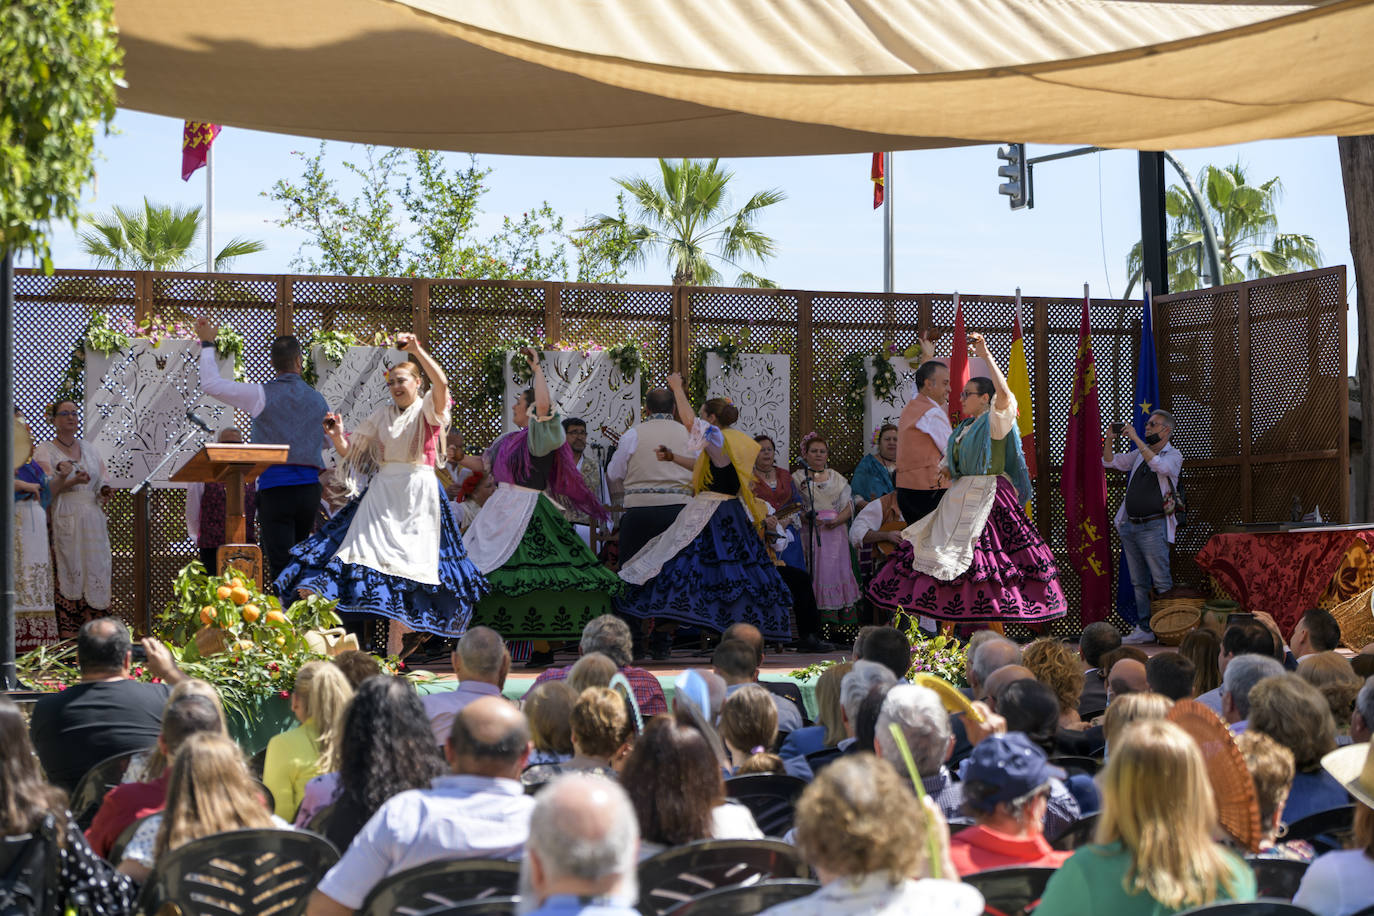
923, 432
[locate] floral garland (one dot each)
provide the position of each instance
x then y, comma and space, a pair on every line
627, 357
334, 346
729, 350
854, 374
108, 337
942, 656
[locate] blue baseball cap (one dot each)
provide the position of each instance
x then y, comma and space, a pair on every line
1012, 764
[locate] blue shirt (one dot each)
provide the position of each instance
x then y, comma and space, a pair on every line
1313, 793
570, 905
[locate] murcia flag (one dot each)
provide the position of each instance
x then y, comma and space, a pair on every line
196, 138
878, 174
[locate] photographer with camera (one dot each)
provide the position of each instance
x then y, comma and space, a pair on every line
1146, 519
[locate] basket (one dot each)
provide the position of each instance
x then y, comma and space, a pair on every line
1216, 610
1356, 620
1173, 618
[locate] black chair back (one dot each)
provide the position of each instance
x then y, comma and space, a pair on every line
1010, 891
682, 873
241, 871
1277, 878
94, 785
745, 900
1079, 833
1260, 907
487, 906
819, 760
1088, 765
29, 870
770, 796
1325, 830
446, 883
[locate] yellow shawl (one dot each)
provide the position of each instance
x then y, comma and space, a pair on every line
742, 451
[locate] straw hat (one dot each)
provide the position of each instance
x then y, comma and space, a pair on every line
1232, 784
1353, 767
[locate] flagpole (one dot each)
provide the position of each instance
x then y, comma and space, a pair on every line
210, 207
888, 260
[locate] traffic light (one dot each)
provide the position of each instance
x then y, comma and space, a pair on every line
1017, 186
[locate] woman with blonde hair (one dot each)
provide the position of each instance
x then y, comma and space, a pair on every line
1057, 667
595, 669
1154, 852
749, 726
1271, 769
548, 711
300, 754
1133, 707
602, 738
1332, 675
829, 728
1296, 715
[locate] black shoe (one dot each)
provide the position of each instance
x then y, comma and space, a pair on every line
813, 643
540, 660
661, 653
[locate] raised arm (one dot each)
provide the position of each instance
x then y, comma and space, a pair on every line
542, 401
246, 397
1004, 396
685, 413
334, 429
438, 381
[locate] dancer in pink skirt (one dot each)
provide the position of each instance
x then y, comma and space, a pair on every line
977, 558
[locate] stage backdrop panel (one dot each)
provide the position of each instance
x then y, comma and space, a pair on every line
585, 385
887, 410
135, 407
355, 386
760, 389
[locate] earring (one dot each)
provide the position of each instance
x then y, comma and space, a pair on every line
1282, 831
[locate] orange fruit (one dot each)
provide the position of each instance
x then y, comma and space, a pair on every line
239, 595
207, 614
222, 592
276, 617
251, 613
236, 582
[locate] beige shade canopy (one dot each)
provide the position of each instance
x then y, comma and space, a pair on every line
755, 77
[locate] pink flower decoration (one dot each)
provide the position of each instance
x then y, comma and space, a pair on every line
284, 694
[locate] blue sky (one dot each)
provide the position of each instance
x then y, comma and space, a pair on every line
953, 230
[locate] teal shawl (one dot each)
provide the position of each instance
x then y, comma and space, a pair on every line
973, 456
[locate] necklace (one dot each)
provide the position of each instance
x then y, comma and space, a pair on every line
66, 445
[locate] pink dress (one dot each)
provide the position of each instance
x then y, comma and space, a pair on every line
827, 549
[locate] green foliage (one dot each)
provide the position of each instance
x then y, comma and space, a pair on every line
156, 237
60, 62
854, 374
627, 357
334, 346
685, 214
416, 217
942, 656
1242, 214
728, 349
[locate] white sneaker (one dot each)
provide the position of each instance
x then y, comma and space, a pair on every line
1137, 637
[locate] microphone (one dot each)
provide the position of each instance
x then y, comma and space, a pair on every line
197, 421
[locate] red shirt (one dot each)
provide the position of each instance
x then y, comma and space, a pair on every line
122, 806
980, 848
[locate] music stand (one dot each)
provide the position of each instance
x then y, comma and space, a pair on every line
233, 464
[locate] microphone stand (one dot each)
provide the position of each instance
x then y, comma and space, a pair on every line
814, 541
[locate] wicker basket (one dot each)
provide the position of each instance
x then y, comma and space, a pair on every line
1356, 619
1173, 618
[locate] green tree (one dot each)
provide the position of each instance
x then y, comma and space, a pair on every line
686, 214
415, 216
156, 237
59, 64
1243, 217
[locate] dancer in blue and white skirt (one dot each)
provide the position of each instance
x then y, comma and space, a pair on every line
395, 550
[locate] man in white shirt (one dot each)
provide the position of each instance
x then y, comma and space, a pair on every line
479, 812
923, 432
1145, 519
481, 664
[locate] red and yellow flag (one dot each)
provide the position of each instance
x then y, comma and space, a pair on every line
958, 364
1018, 380
196, 138
1084, 485
878, 173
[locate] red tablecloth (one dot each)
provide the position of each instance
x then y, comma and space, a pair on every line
1281, 573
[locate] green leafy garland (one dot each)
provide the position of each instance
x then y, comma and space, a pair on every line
627, 357
939, 655
729, 350
854, 374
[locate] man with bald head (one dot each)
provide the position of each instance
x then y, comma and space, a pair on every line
999, 679
992, 655
481, 664
1127, 676
479, 811
582, 851
748, 633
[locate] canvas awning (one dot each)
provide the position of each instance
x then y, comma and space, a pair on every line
755, 77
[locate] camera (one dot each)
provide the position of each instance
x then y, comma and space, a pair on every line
1117, 428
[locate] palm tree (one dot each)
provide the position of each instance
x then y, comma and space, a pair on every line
158, 237
685, 215
1242, 214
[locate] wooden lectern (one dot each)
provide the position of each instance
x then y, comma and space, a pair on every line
233, 464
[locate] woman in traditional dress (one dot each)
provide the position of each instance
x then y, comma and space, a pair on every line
76, 520
546, 583
874, 474
783, 530
394, 551
828, 505
35, 624
711, 568
977, 558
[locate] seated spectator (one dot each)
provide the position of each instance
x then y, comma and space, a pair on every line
610, 636
1154, 852
1342, 883
152, 763
591, 670
548, 711
736, 661
975, 642
104, 713
209, 791
1171, 674
1096, 641
923, 722
481, 664
479, 812
1362, 719
863, 679
26, 802
867, 840
1056, 666
785, 689
130, 801
1000, 679
582, 852
1007, 793
1031, 709
749, 728
991, 656
385, 747
829, 729
357, 666
602, 738
1271, 768
1242, 674
294, 757
889, 647
1201, 647
1134, 707
1109, 659
1331, 674
1239, 639
1295, 714
1126, 676
674, 783
1316, 632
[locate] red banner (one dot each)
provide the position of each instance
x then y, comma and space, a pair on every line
878, 174
196, 138
1084, 486
958, 364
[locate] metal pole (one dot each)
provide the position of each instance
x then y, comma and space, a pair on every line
210, 208
1154, 247
1209, 232
9, 679
889, 265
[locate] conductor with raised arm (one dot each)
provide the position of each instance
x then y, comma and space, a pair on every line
285, 411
